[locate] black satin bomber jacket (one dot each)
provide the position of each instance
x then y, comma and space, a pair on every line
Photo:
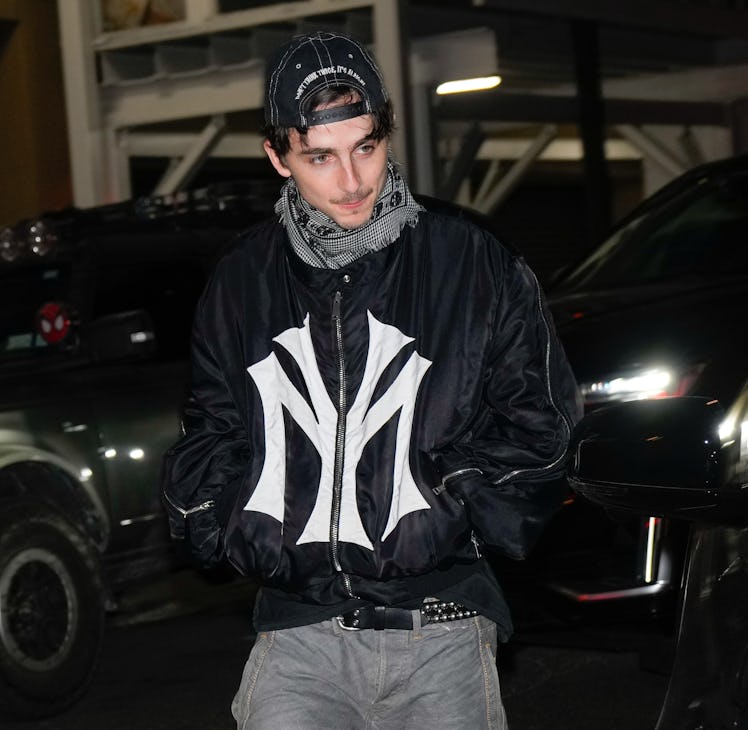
358, 435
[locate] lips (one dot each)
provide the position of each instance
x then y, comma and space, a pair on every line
353, 204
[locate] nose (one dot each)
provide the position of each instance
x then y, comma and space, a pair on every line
349, 178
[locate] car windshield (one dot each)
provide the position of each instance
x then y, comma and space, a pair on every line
24, 291
700, 232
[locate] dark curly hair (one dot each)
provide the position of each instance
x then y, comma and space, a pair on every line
383, 117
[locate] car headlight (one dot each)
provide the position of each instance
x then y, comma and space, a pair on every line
638, 384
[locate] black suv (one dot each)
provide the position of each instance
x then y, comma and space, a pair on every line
658, 309
95, 314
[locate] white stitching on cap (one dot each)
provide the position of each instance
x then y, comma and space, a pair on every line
273, 85
310, 41
369, 60
329, 63
275, 78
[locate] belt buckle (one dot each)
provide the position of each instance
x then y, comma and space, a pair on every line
352, 616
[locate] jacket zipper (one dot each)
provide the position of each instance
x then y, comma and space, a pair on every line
337, 482
202, 507
561, 414
454, 475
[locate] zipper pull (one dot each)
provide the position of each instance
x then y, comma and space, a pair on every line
336, 300
476, 544
202, 507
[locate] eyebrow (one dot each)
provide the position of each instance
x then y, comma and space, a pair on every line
312, 151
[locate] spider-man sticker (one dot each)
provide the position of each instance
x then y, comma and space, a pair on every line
54, 322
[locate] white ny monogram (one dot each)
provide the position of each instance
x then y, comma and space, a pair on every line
364, 419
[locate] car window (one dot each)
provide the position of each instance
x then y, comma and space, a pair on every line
701, 232
24, 291
167, 290
163, 275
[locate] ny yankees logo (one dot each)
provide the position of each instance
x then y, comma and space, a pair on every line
364, 419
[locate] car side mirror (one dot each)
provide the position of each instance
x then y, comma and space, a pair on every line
121, 336
659, 457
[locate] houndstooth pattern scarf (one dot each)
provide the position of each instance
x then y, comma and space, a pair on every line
320, 241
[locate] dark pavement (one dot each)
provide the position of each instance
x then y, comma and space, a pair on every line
174, 653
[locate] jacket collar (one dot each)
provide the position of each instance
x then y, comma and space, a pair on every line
362, 271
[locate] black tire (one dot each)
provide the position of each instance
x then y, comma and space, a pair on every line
51, 612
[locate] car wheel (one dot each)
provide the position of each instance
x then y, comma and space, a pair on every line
51, 612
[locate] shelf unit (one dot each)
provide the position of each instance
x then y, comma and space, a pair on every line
126, 88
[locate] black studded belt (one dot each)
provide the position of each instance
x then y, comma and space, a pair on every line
389, 617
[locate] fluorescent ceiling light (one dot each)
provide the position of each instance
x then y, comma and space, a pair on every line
477, 84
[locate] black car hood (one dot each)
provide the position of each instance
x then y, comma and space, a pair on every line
680, 324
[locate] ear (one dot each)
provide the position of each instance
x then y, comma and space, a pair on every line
275, 160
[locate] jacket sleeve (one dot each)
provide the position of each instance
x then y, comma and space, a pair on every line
204, 469
508, 466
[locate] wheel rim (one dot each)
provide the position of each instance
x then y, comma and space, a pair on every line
38, 609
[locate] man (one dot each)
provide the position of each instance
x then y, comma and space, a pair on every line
377, 394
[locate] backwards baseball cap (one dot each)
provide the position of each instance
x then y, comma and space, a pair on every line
313, 62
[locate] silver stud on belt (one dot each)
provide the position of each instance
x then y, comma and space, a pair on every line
440, 611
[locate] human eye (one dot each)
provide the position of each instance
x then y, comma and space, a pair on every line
366, 147
319, 159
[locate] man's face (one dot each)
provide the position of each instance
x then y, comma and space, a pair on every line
338, 168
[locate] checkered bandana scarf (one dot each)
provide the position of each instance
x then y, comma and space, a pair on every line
320, 241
